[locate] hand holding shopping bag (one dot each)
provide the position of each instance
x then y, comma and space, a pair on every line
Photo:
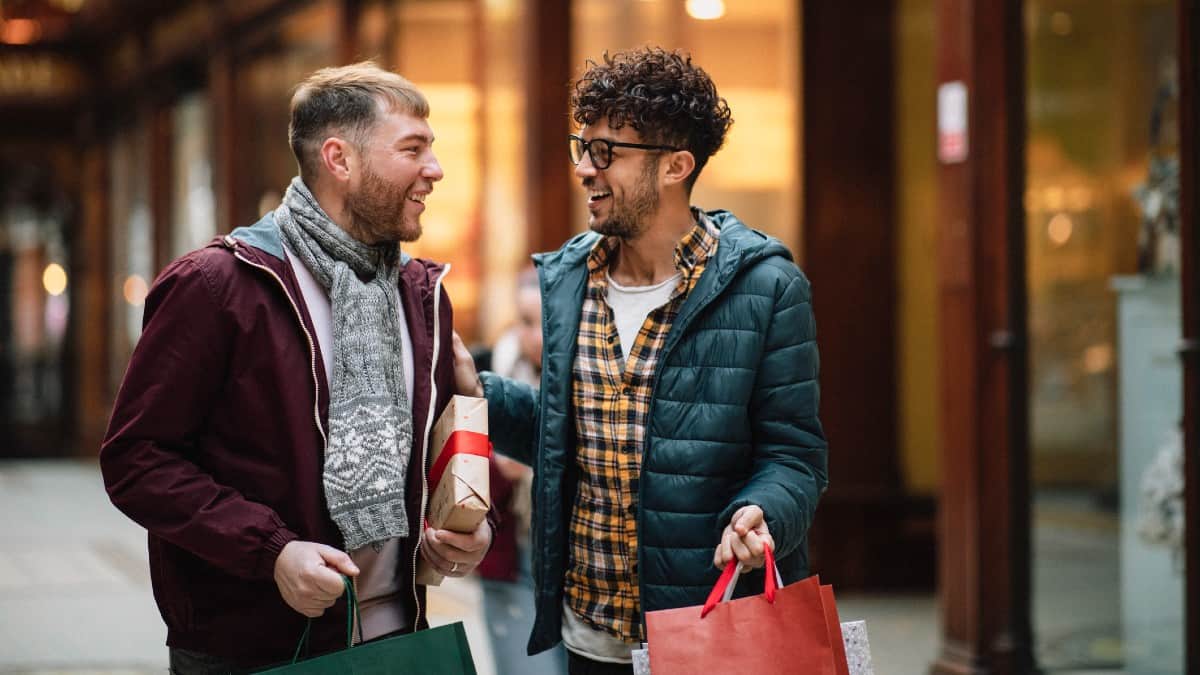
786, 629
437, 651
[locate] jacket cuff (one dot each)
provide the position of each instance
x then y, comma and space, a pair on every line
270, 553
493, 521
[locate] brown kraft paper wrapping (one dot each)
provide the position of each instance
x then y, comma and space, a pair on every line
461, 498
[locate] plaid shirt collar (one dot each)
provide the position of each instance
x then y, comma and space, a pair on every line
692, 250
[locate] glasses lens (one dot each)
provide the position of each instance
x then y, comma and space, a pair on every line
576, 148
601, 153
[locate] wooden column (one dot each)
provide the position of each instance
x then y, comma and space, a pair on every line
161, 181
222, 95
984, 525
548, 74
347, 31
91, 292
1189, 114
866, 522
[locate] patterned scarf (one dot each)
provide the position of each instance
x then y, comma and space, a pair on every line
370, 420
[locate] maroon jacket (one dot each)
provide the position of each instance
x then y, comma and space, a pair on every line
216, 442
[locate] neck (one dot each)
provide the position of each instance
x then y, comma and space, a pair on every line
650, 258
333, 203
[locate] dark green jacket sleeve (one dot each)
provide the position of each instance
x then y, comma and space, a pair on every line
790, 452
512, 416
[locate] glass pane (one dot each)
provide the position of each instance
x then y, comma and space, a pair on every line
1104, 319
503, 194
132, 244
34, 304
194, 220
294, 48
452, 84
751, 51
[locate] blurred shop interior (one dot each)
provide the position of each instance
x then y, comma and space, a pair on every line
133, 131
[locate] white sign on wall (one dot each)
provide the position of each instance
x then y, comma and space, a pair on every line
952, 122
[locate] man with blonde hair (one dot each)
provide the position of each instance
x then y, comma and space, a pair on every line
271, 432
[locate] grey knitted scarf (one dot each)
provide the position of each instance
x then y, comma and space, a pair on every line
370, 421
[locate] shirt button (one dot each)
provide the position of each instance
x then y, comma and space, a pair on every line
627, 391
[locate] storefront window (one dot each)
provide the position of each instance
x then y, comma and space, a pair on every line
751, 50
34, 305
193, 218
1102, 238
439, 50
132, 244
275, 61
503, 197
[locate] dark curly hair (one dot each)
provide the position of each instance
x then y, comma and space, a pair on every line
660, 94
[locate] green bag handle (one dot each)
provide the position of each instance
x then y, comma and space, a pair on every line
352, 616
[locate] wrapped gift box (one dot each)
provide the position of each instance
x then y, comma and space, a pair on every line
459, 475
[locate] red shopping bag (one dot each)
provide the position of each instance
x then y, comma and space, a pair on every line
784, 630
834, 625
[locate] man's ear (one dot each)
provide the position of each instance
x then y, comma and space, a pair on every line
679, 165
338, 159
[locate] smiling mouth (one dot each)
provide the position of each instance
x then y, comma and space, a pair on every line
596, 195
418, 197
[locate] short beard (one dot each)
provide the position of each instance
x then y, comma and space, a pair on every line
377, 212
630, 217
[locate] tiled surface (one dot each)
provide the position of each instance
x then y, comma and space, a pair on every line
75, 584
75, 593
902, 629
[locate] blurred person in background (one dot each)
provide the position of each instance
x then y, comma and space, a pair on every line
270, 429
505, 571
676, 425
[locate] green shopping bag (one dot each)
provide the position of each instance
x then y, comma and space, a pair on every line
436, 651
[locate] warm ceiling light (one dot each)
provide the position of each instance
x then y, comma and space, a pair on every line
1060, 229
54, 278
20, 31
706, 10
135, 289
1061, 23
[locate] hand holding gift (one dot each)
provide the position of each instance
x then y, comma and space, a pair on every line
455, 554
456, 534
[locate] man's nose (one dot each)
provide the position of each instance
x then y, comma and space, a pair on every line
585, 168
432, 169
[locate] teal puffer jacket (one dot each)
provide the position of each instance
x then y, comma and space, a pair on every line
733, 422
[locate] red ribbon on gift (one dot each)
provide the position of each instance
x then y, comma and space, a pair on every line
459, 443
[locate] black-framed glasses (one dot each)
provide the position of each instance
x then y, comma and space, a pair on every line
601, 149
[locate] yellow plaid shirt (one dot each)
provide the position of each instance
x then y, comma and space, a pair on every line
611, 404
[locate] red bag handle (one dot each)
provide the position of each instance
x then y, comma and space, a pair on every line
728, 580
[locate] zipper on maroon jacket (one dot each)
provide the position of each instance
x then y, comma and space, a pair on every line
437, 299
231, 243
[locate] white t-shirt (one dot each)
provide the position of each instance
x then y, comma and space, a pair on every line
631, 304
377, 584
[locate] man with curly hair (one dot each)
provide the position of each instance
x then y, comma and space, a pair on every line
676, 427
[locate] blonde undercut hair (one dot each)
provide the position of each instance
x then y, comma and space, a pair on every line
346, 101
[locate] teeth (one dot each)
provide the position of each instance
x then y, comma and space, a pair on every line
598, 194
419, 198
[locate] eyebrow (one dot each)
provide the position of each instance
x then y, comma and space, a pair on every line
428, 140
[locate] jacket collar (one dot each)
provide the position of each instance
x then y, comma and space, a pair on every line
740, 246
263, 244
